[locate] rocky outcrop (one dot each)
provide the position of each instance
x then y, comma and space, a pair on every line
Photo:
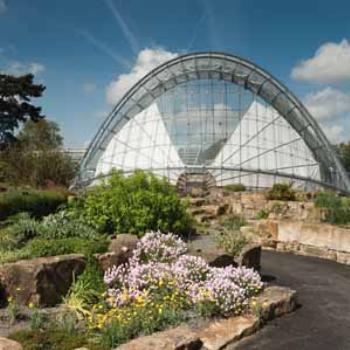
8, 344
42, 281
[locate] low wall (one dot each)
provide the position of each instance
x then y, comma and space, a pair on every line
314, 239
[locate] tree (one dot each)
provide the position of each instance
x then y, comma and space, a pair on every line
41, 135
15, 106
343, 150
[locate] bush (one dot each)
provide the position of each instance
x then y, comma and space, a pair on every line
337, 210
233, 223
281, 191
133, 204
37, 203
232, 242
235, 187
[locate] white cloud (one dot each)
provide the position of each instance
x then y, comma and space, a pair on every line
20, 68
89, 88
330, 107
147, 59
328, 103
331, 63
334, 133
3, 6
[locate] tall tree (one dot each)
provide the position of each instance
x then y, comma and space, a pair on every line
15, 104
41, 135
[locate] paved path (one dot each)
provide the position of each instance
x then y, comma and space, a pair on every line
323, 320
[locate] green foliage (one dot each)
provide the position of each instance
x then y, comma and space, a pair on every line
20, 228
53, 338
15, 107
147, 321
37, 320
133, 204
343, 150
87, 288
337, 209
281, 191
38, 168
232, 242
233, 223
262, 214
39, 247
40, 135
235, 187
48, 247
64, 224
37, 203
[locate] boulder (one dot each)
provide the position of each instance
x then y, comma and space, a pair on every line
42, 281
8, 344
119, 251
222, 332
123, 243
276, 301
250, 256
179, 338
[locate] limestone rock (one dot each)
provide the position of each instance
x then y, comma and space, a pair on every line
42, 281
8, 344
123, 243
222, 332
276, 301
179, 338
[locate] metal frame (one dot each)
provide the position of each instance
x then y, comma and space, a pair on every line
227, 67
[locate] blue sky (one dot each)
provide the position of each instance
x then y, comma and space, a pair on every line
82, 50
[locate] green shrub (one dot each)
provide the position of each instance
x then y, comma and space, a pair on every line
133, 204
232, 242
39, 247
337, 210
281, 191
235, 187
48, 247
37, 203
63, 225
87, 288
262, 214
233, 223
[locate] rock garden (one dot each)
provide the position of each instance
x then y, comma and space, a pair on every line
129, 264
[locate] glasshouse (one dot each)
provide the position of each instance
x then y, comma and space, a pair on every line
217, 118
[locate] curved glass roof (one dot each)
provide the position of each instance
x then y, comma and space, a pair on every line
215, 66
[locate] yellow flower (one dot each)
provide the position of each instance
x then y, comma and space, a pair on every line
9, 299
31, 305
253, 303
18, 289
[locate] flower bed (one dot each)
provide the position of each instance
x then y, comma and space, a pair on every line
162, 286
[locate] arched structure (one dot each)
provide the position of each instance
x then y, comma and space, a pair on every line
214, 112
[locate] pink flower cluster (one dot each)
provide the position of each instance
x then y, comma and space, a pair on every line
159, 262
